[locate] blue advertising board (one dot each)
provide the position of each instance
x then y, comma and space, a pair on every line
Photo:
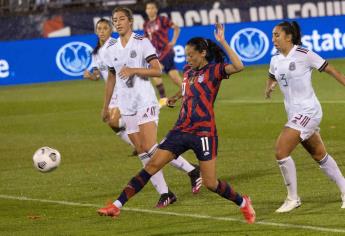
43, 60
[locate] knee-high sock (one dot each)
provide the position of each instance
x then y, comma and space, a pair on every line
288, 170
157, 179
331, 169
224, 190
121, 132
182, 164
179, 163
134, 186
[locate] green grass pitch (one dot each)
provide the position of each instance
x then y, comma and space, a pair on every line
96, 164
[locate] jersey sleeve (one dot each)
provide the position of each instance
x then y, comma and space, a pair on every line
271, 70
149, 51
220, 72
167, 22
315, 61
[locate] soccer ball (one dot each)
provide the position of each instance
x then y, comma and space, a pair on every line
46, 159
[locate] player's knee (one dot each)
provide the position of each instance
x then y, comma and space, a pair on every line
113, 123
152, 167
319, 153
280, 153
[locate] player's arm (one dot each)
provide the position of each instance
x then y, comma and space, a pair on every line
237, 64
109, 89
154, 69
172, 100
176, 34
270, 85
340, 77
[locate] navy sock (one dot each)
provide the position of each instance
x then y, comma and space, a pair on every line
224, 190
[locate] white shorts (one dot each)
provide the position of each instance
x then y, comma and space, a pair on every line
113, 102
305, 124
142, 116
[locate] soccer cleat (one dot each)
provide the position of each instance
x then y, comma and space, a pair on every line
195, 179
343, 199
248, 210
289, 205
110, 210
166, 199
162, 102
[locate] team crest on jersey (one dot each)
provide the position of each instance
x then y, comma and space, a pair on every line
200, 78
133, 54
292, 66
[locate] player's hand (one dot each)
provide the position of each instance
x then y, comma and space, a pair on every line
219, 32
171, 102
105, 115
87, 75
269, 90
126, 72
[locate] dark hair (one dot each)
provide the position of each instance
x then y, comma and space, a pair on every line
128, 12
214, 53
98, 46
152, 2
293, 29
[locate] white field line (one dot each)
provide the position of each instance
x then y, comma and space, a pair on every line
282, 225
272, 101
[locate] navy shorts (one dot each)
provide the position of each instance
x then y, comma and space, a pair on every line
205, 148
168, 62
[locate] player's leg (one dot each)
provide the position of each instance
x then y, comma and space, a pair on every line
156, 163
175, 77
315, 146
287, 141
206, 150
117, 125
148, 136
136, 136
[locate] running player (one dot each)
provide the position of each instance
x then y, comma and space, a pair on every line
291, 68
195, 128
156, 28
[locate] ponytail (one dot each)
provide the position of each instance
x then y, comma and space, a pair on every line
292, 29
214, 53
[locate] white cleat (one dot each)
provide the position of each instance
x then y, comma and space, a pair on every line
343, 199
289, 205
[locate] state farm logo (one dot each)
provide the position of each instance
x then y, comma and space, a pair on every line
73, 58
250, 44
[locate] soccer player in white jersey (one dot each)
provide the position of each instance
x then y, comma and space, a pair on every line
100, 70
131, 60
291, 68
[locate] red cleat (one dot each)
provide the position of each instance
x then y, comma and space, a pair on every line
110, 210
248, 210
166, 199
195, 179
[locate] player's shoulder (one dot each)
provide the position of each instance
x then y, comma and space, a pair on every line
301, 50
138, 37
110, 42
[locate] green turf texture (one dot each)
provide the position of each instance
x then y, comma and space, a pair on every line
96, 164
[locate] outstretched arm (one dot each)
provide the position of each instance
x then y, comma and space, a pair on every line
153, 71
237, 64
335, 74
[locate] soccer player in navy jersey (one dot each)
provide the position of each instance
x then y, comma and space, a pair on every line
195, 128
156, 28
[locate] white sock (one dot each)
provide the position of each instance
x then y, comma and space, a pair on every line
124, 136
157, 179
331, 169
288, 170
182, 164
118, 204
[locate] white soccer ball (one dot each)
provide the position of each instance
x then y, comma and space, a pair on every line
46, 159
